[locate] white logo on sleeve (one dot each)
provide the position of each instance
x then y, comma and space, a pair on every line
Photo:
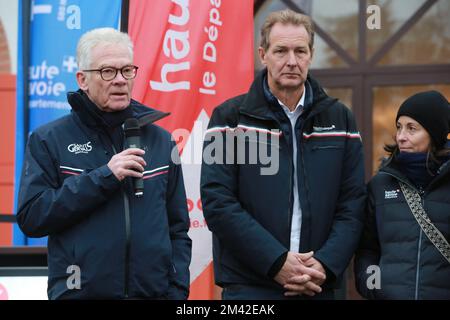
79, 148
392, 194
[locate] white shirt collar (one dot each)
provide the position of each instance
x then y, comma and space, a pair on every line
298, 107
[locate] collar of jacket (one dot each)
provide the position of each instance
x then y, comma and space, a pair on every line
145, 115
389, 166
256, 101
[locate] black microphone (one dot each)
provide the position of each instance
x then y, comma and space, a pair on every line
133, 140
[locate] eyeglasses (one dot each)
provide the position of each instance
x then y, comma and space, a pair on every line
109, 73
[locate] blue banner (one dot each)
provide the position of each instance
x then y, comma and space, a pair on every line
55, 27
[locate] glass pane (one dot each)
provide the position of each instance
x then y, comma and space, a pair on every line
386, 101
393, 15
340, 20
324, 55
343, 94
428, 41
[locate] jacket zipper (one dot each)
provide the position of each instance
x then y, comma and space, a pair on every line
299, 146
127, 246
416, 293
127, 233
419, 247
291, 184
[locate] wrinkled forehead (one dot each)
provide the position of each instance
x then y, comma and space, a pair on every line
288, 33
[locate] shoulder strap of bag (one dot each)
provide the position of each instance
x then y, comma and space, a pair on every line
436, 237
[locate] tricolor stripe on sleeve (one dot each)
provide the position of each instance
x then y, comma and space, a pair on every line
155, 172
70, 170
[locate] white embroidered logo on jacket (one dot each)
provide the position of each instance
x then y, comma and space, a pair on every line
392, 194
79, 148
324, 128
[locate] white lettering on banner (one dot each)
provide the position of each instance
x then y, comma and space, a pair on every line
69, 64
176, 45
209, 49
49, 104
42, 88
173, 37
41, 80
40, 9
74, 19
166, 86
43, 71
184, 17
209, 80
62, 10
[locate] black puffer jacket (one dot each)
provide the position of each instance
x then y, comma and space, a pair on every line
410, 265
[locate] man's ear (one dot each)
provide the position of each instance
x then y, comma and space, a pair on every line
262, 56
82, 80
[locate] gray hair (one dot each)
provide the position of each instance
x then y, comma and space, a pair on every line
93, 38
286, 17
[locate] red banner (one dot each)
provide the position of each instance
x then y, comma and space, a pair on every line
192, 56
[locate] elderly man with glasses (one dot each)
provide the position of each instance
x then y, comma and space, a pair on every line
79, 180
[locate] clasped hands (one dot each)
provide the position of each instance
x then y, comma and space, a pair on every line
301, 274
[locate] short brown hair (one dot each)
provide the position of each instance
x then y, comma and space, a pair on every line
286, 17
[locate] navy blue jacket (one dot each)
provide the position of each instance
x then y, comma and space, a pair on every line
410, 266
125, 247
250, 213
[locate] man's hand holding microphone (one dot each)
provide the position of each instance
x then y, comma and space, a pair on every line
130, 162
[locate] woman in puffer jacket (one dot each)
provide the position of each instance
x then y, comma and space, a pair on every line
396, 258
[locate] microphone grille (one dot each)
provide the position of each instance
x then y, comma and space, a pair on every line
131, 127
